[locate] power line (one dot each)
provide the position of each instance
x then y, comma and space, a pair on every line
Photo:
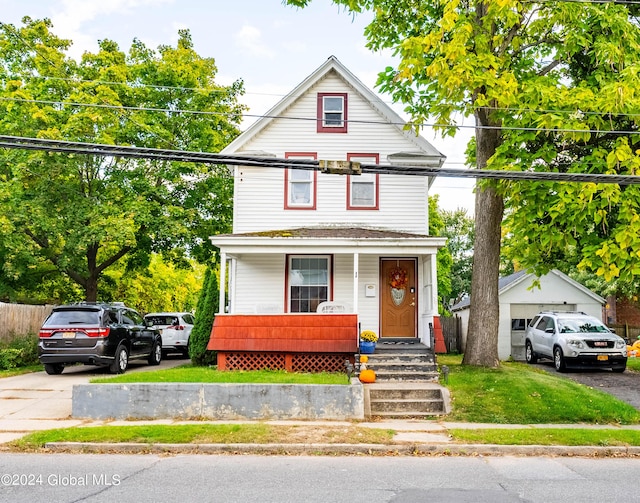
279, 95
14, 142
315, 119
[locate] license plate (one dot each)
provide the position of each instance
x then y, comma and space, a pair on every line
603, 358
68, 335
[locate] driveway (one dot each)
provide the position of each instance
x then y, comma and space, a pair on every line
625, 386
39, 401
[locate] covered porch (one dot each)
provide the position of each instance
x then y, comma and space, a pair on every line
274, 313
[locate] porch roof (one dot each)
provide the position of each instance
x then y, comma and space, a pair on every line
338, 239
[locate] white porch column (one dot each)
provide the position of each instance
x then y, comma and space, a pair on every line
356, 267
223, 282
434, 287
232, 285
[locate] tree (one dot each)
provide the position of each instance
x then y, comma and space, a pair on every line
205, 313
160, 287
81, 214
443, 257
459, 231
504, 62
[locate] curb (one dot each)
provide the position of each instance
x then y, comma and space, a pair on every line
348, 449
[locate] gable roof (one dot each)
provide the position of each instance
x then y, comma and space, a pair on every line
425, 153
506, 283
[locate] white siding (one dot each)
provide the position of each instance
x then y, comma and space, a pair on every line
259, 198
259, 284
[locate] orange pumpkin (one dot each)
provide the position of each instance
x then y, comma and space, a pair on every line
364, 358
367, 376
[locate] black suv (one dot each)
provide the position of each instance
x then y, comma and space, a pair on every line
96, 334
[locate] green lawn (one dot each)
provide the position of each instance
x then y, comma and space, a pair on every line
191, 373
258, 433
516, 393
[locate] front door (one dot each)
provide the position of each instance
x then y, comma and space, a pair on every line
398, 298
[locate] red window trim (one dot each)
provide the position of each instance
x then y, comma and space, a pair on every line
375, 158
314, 193
287, 307
320, 119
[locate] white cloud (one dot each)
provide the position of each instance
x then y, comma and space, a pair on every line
71, 18
249, 39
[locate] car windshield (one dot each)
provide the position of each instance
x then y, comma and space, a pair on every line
73, 317
581, 325
162, 320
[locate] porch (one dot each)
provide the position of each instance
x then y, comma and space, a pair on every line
296, 342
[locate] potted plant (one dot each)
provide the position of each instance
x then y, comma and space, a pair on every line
368, 339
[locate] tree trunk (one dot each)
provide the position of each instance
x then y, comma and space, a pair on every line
482, 336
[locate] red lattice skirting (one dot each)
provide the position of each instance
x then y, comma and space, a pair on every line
292, 362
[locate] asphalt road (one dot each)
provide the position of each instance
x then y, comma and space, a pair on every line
108, 478
625, 386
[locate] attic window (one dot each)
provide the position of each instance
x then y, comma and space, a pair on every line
332, 112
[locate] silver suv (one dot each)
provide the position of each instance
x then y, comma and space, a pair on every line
573, 339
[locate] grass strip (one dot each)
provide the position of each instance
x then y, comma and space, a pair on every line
193, 374
547, 436
208, 434
517, 393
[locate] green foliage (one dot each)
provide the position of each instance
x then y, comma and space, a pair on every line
75, 216
205, 313
20, 351
162, 286
443, 258
460, 233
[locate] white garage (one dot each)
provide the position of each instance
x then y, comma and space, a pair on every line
520, 301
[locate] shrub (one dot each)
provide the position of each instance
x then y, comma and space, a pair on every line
21, 351
205, 312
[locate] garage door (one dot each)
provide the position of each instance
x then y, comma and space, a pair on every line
521, 315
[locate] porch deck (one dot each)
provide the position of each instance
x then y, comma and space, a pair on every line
297, 342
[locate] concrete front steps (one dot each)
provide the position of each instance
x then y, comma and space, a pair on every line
403, 360
406, 381
395, 400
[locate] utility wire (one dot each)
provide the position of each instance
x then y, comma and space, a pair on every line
315, 119
103, 150
222, 91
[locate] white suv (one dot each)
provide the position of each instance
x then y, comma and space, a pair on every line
175, 329
573, 339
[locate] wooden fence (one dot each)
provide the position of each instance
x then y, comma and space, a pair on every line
626, 332
21, 319
452, 333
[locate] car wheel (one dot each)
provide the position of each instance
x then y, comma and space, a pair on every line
185, 351
558, 359
53, 368
120, 362
155, 357
529, 355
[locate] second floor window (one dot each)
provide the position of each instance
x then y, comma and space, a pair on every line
332, 113
300, 185
362, 190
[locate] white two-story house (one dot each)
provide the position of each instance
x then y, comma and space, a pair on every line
315, 257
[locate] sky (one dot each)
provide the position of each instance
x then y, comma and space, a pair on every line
270, 46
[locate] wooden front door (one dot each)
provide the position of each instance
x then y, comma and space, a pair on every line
398, 298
